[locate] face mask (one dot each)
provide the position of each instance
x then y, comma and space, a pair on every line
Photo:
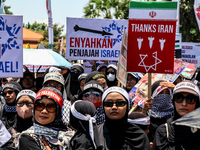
95, 100
24, 112
111, 77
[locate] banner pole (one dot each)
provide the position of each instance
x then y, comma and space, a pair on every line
149, 85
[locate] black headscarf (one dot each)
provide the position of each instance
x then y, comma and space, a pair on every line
115, 82
24, 124
82, 138
179, 136
122, 133
9, 118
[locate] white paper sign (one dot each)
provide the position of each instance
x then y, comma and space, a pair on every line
94, 39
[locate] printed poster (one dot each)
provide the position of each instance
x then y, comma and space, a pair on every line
11, 46
94, 39
151, 37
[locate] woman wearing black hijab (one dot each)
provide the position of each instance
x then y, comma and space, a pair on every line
82, 119
117, 133
8, 114
48, 130
169, 136
24, 107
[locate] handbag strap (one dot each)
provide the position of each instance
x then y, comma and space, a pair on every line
46, 144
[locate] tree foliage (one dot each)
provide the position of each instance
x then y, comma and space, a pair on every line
43, 28
6, 8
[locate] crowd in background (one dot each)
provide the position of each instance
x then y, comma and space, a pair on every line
65, 108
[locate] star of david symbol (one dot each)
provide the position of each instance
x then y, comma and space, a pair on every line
142, 64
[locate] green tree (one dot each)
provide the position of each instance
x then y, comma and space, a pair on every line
6, 8
43, 28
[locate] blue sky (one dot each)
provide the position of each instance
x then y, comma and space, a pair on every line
35, 10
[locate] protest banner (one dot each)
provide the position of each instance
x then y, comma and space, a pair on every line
94, 39
178, 53
11, 46
121, 71
151, 36
191, 53
35, 67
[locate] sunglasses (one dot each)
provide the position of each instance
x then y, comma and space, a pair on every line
110, 72
95, 93
55, 85
28, 104
51, 108
28, 79
117, 103
190, 99
8, 92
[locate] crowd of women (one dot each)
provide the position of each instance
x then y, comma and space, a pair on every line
69, 109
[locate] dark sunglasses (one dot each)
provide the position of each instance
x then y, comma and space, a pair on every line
73, 71
51, 108
8, 92
110, 72
117, 103
55, 85
28, 104
27, 79
190, 99
95, 93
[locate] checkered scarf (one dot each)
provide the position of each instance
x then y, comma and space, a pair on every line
100, 115
10, 108
162, 106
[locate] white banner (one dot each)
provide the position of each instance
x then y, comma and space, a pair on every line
94, 39
197, 11
11, 46
191, 53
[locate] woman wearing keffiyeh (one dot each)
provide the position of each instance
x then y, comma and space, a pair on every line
8, 114
48, 131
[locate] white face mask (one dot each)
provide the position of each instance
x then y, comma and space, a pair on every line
111, 77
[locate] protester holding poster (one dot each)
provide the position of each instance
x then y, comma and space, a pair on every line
169, 136
162, 108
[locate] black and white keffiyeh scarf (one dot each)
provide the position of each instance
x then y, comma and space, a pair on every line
10, 108
100, 115
162, 106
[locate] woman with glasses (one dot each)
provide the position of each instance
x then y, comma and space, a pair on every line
48, 131
92, 92
169, 136
8, 114
117, 133
24, 108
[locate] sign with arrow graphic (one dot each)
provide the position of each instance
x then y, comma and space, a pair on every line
94, 39
151, 37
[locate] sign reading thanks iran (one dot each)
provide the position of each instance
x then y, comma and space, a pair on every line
94, 39
151, 37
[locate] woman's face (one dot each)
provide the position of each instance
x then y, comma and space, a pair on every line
43, 116
183, 107
82, 83
24, 107
93, 96
114, 112
9, 95
131, 81
27, 81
